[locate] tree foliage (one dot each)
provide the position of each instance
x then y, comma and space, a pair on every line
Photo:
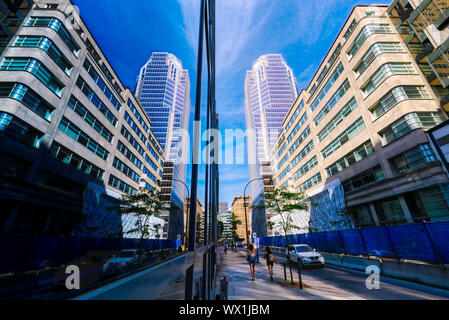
235, 222
284, 203
143, 205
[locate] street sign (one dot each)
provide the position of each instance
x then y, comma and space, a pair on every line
179, 237
254, 235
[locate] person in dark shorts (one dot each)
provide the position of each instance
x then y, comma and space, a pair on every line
251, 257
269, 256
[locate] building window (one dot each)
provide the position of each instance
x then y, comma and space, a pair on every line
413, 158
151, 163
101, 84
365, 33
350, 29
334, 77
19, 130
60, 183
430, 204
306, 168
311, 182
137, 115
283, 161
27, 97
441, 64
284, 173
76, 134
119, 165
49, 47
384, 72
341, 115
120, 185
87, 116
300, 140
356, 155
68, 157
363, 217
91, 96
149, 174
281, 151
390, 212
56, 25
135, 128
153, 152
353, 130
128, 154
397, 95
408, 123
297, 128
332, 102
294, 116
37, 69
375, 50
428, 16
334, 55
127, 135
309, 147
367, 177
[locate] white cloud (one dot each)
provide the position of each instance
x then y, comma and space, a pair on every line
247, 29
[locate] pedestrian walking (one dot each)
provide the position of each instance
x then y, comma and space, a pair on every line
251, 257
269, 256
226, 248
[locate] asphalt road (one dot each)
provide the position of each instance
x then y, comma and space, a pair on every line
324, 283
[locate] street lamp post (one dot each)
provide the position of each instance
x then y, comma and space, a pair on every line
244, 205
187, 208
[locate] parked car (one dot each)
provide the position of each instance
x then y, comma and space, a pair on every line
240, 244
305, 256
124, 259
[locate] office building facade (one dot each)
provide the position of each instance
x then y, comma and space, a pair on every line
423, 29
355, 139
226, 219
270, 89
12, 14
73, 138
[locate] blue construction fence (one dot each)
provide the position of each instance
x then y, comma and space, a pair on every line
427, 242
21, 253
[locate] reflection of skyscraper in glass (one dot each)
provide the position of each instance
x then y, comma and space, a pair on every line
270, 90
163, 88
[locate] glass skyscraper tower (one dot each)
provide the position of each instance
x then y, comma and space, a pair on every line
163, 88
270, 90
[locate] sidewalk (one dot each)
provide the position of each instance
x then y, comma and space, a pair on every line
236, 269
327, 283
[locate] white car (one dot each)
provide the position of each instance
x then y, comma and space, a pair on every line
122, 260
305, 256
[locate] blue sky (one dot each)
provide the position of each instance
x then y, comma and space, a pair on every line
301, 30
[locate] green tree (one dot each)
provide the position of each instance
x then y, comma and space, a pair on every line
283, 204
235, 222
156, 228
220, 229
143, 205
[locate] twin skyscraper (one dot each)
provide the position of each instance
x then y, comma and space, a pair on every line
270, 90
163, 88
